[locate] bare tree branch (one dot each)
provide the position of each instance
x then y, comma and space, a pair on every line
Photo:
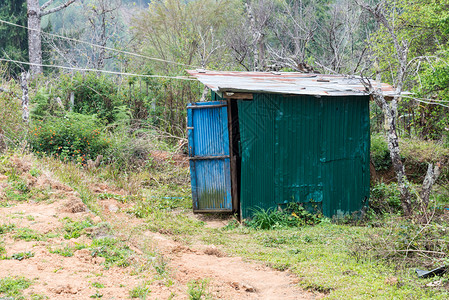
47, 4
55, 9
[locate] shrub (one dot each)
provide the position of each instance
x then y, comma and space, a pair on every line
385, 198
293, 216
73, 137
94, 95
379, 152
12, 128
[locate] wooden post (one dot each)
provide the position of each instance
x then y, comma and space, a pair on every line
25, 98
72, 101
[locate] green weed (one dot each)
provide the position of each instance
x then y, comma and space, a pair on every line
74, 229
35, 172
67, 251
160, 265
270, 219
22, 255
98, 285
27, 235
120, 198
141, 291
197, 289
38, 297
115, 252
5, 228
97, 295
13, 286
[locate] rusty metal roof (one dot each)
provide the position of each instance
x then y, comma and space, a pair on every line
284, 83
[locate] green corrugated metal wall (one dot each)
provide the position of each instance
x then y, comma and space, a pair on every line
304, 149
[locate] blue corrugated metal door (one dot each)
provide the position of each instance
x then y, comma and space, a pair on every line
207, 126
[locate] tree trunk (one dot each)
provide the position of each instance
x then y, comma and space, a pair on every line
432, 175
398, 166
390, 111
34, 37
102, 54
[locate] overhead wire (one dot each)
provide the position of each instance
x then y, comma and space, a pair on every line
96, 45
96, 70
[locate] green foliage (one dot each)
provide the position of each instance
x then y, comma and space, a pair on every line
141, 291
75, 137
380, 153
22, 255
94, 95
98, 285
422, 26
405, 242
43, 105
115, 252
97, 295
294, 215
13, 129
432, 119
66, 251
13, 287
14, 40
17, 189
74, 229
27, 235
197, 289
5, 228
385, 198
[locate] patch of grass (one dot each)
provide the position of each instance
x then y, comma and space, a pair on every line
160, 265
13, 287
115, 252
271, 219
38, 297
197, 289
35, 172
98, 285
141, 291
97, 295
5, 228
2, 250
30, 218
120, 198
74, 229
22, 255
67, 251
323, 257
28, 235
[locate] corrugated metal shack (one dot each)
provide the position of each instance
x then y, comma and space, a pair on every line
267, 139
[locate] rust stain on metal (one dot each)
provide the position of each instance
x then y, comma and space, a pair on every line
285, 83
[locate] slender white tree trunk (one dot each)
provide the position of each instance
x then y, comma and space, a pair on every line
34, 37
24, 85
35, 12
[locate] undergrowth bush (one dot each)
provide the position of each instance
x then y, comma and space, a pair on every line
405, 243
94, 95
75, 137
380, 153
295, 215
385, 198
12, 128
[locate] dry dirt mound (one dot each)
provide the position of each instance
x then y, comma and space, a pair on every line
35, 234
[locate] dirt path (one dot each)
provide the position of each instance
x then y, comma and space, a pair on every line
157, 261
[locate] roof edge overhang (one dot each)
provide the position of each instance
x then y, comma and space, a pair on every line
290, 83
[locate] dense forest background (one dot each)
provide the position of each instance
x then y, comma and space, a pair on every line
332, 36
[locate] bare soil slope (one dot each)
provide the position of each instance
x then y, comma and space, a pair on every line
156, 264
